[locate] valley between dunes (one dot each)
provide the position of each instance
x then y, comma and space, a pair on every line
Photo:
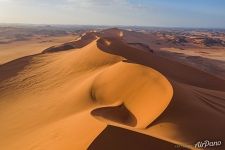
100, 93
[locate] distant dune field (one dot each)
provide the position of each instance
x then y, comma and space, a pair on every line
105, 91
17, 49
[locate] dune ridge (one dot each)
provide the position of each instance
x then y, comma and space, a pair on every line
84, 40
102, 86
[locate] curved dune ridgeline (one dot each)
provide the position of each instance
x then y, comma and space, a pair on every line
101, 93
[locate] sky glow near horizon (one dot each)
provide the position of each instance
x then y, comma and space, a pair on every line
164, 13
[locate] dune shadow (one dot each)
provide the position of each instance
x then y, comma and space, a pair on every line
128, 61
119, 114
115, 138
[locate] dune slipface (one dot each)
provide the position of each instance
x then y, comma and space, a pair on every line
101, 89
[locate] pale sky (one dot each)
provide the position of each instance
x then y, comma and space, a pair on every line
166, 13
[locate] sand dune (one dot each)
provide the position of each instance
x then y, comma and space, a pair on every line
100, 89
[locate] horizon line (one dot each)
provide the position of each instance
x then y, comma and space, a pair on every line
105, 25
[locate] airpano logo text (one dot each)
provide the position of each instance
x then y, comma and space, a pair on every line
207, 143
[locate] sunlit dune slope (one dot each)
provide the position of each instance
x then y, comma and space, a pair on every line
77, 98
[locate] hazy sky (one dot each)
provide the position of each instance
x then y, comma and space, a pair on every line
179, 13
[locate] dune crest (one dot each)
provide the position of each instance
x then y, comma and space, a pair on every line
79, 43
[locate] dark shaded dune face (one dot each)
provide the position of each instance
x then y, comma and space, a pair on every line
211, 66
171, 69
142, 46
83, 41
113, 32
118, 114
114, 138
197, 113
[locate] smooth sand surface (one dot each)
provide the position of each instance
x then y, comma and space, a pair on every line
105, 94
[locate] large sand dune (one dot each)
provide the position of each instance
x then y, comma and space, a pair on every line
102, 93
